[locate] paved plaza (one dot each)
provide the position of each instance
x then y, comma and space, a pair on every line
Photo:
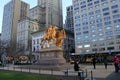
100, 73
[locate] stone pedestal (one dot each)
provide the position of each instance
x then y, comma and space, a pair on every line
51, 58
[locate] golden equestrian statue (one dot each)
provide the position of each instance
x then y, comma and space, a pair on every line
52, 33
47, 36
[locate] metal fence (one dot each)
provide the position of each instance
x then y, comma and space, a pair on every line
69, 74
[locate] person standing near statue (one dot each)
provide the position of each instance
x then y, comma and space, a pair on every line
116, 63
3, 58
94, 62
105, 61
76, 66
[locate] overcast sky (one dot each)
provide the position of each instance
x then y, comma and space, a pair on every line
32, 3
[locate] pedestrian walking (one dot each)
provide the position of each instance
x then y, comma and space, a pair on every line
116, 63
94, 62
76, 66
105, 61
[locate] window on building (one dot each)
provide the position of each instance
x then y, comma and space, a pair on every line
116, 16
77, 17
91, 13
87, 45
115, 11
79, 33
97, 6
102, 44
99, 20
105, 14
86, 41
76, 5
92, 22
90, 4
76, 12
84, 19
98, 16
103, 0
99, 25
109, 37
89, 0
118, 42
96, 2
107, 18
94, 45
117, 26
93, 31
104, 4
118, 36
91, 8
83, 6
97, 11
77, 25
117, 31
113, 1
108, 27
34, 42
83, 2
84, 15
115, 6
94, 50
116, 21
107, 23
83, 10
37, 41
77, 21
78, 29
92, 26
93, 35
100, 29
101, 49
109, 33
110, 48
85, 27
101, 39
91, 17
85, 32
100, 34
85, 23
106, 9
110, 43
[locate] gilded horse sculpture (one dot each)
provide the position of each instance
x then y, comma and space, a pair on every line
52, 33
58, 36
47, 36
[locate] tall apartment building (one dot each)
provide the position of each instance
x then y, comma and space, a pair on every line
38, 13
0, 36
28, 25
0, 39
69, 43
69, 19
24, 36
53, 12
13, 11
97, 25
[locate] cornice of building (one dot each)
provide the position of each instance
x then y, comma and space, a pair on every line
40, 30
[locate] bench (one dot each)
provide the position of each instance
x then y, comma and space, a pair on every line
80, 73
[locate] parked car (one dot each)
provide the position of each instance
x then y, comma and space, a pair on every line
88, 60
71, 61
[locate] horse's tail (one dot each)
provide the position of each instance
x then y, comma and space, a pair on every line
64, 33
